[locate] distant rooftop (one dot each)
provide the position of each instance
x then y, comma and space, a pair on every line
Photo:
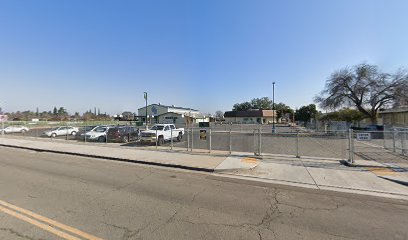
250, 113
166, 106
394, 110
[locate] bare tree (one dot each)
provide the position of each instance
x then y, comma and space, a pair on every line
219, 114
364, 87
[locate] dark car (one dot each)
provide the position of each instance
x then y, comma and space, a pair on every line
376, 131
123, 134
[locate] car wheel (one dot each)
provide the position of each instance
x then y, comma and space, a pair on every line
179, 137
101, 139
73, 133
160, 141
125, 139
53, 135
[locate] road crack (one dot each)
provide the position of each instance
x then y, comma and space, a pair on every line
12, 231
128, 233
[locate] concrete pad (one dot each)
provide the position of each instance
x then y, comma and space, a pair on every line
357, 180
280, 172
257, 181
236, 162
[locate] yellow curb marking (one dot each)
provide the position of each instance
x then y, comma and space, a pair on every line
46, 227
381, 171
249, 160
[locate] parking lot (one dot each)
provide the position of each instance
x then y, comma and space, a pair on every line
240, 138
256, 139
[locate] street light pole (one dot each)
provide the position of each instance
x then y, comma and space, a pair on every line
273, 107
145, 97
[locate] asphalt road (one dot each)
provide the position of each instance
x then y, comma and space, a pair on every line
82, 198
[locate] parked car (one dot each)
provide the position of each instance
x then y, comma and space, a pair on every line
15, 129
83, 130
97, 134
62, 131
123, 134
165, 132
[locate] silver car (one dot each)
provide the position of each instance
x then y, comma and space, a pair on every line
62, 131
15, 129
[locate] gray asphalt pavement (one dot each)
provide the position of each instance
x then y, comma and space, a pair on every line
112, 200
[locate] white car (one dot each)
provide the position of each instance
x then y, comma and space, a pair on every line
97, 134
162, 133
15, 129
62, 131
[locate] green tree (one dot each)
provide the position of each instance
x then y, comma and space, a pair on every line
242, 106
255, 103
62, 111
261, 103
283, 110
306, 113
351, 115
366, 88
55, 111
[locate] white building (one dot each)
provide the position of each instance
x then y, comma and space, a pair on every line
158, 113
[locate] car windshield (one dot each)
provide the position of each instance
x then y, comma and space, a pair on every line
100, 129
157, 127
89, 128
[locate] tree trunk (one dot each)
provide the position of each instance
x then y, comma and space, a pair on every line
373, 120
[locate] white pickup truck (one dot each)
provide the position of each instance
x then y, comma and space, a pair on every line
162, 132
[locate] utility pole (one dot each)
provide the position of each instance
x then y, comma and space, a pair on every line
273, 107
145, 97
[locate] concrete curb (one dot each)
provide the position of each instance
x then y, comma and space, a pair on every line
169, 165
405, 183
311, 188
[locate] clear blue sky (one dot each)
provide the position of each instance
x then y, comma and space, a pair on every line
206, 55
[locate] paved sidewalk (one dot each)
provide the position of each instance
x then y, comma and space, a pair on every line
163, 158
326, 174
370, 178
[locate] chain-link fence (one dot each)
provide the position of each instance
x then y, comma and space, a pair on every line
237, 138
382, 146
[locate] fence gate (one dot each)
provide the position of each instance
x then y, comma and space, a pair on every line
381, 146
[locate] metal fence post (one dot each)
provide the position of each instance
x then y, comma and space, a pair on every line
171, 138
351, 146
297, 144
402, 142
156, 137
188, 139
255, 148
192, 138
230, 147
393, 140
210, 140
260, 141
403, 147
